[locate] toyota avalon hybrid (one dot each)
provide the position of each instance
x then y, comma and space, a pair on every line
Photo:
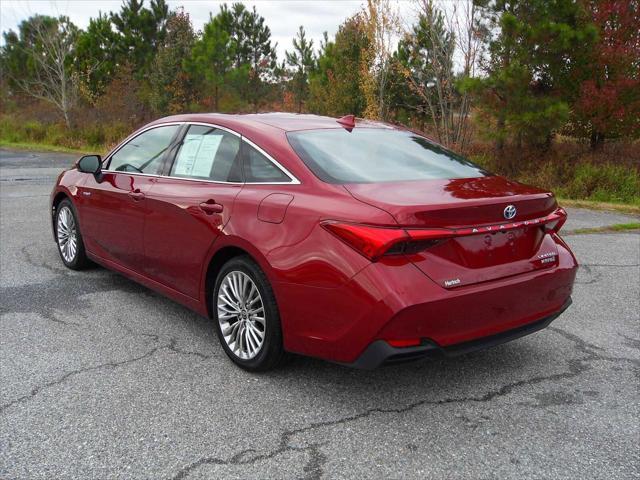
348, 240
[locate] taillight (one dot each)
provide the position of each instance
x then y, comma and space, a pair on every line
555, 221
374, 242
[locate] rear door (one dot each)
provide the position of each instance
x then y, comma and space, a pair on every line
189, 206
113, 210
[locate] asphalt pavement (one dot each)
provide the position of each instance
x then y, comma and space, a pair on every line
103, 378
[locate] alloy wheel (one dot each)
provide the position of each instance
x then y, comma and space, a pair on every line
67, 234
241, 315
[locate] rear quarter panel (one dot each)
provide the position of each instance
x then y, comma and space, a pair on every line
302, 260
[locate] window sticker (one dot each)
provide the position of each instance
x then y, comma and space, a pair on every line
197, 155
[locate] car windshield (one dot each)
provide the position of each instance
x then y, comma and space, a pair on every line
371, 155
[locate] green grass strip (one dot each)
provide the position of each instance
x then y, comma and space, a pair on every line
604, 206
40, 147
618, 227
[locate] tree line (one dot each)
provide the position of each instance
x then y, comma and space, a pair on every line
517, 72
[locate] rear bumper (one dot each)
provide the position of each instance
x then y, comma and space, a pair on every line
381, 353
392, 300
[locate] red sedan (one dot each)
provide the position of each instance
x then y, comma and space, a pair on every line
352, 241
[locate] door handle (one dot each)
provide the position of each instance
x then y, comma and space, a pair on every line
210, 207
136, 194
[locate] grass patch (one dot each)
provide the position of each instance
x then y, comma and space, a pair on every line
609, 183
34, 135
604, 206
618, 227
603, 184
625, 226
42, 147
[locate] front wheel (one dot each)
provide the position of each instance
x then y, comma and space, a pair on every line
246, 316
68, 237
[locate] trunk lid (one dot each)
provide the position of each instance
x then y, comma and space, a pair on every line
470, 203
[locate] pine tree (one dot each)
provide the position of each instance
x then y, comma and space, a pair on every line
140, 31
212, 56
302, 60
527, 64
262, 56
96, 54
335, 86
171, 86
251, 57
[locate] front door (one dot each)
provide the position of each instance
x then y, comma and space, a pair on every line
113, 210
190, 206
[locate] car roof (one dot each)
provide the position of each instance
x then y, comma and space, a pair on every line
280, 120
304, 121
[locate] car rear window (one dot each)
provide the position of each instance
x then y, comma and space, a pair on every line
371, 155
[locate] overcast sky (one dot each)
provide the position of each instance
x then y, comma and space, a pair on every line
282, 16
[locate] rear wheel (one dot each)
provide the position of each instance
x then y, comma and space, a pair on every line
246, 316
68, 237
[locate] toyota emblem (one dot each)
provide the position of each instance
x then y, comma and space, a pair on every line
510, 212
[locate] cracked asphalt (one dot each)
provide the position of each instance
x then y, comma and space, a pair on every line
102, 378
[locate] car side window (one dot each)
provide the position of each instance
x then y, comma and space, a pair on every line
258, 168
144, 153
208, 153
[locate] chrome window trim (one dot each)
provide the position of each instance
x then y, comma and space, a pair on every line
174, 178
294, 180
121, 145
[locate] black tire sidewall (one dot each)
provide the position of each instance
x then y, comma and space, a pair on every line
80, 259
272, 351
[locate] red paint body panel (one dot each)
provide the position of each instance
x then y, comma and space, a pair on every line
178, 233
396, 301
460, 203
333, 301
113, 218
454, 203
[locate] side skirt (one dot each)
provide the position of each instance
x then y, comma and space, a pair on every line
187, 301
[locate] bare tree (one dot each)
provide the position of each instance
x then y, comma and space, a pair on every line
382, 24
445, 44
463, 20
49, 58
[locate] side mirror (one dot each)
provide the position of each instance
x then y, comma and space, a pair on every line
91, 164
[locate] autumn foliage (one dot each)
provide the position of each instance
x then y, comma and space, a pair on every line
531, 88
609, 98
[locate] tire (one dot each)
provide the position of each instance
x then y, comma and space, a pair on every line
239, 289
69, 238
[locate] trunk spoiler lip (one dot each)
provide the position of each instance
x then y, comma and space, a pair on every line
409, 213
458, 203
414, 232
556, 215
512, 192
483, 202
